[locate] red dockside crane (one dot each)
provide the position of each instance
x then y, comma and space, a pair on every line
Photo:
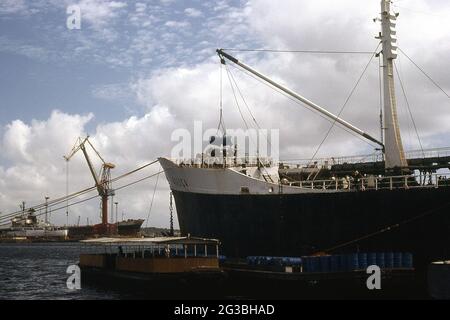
102, 180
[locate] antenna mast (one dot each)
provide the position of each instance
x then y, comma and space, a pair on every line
394, 155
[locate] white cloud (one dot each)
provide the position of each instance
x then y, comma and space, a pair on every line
100, 13
192, 12
37, 168
37, 142
177, 24
35, 152
141, 7
24, 49
13, 6
114, 91
167, 2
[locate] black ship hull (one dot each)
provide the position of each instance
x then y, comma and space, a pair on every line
407, 220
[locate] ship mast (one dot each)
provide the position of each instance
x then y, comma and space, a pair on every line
394, 154
392, 147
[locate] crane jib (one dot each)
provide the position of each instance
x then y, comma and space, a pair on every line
302, 99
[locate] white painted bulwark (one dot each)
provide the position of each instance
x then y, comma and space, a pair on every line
227, 180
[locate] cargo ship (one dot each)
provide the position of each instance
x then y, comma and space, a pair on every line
393, 201
28, 226
130, 227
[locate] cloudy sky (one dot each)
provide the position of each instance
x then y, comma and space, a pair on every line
138, 70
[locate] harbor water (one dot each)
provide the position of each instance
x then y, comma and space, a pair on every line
38, 271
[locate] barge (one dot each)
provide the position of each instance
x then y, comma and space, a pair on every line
164, 267
343, 276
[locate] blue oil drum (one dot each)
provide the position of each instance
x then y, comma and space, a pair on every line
352, 260
343, 261
389, 260
325, 264
306, 264
380, 260
372, 258
407, 260
362, 261
335, 263
315, 264
397, 259
312, 265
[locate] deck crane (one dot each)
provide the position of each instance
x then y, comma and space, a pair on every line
102, 180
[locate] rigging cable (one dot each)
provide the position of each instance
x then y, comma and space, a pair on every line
389, 228
248, 109
409, 109
235, 97
50, 203
59, 208
153, 198
402, 109
416, 11
96, 196
298, 51
134, 171
67, 192
424, 73
221, 121
243, 99
73, 195
245, 122
345, 103
138, 181
381, 98
301, 104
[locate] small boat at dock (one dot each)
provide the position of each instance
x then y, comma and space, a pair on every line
168, 266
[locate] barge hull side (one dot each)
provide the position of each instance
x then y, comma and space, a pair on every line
300, 224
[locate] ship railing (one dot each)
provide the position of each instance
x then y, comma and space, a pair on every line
332, 184
225, 162
330, 161
428, 153
433, 180
207, 161
136, 251
374, 157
